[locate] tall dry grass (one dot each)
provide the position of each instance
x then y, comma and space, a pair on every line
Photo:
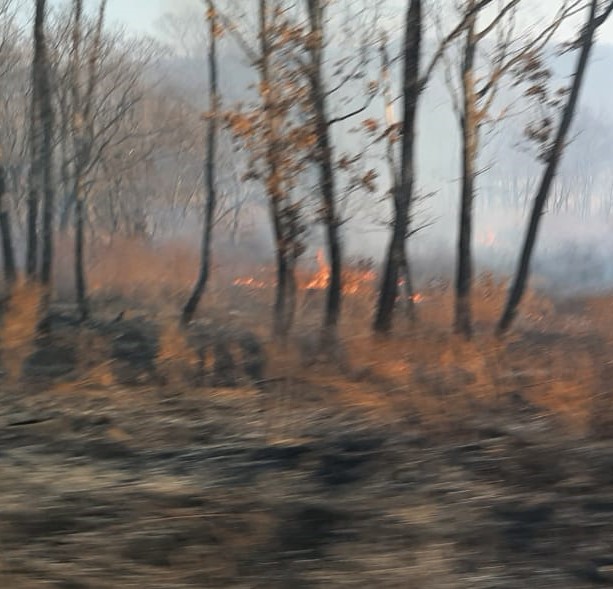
19, 326
423, 369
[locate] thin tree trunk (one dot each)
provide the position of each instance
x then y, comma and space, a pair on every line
47, 122
80, 156
66, 184
273, 180
34, 176
79, 245
469, 123
554, 156
390, 120
403, 193
32, 224
409, 291
79, 260
279, 322
8, 254
291, 298
327, 180
209, 172
82, 130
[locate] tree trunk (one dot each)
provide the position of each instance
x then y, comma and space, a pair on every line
279, 319
8, 254
327, 180
66, 205
273, 180
469, 128
554, 156
32, 225
291, 298
79, 243
408, 290
403, 193
36, 134
46, 120
209, 172
79, 260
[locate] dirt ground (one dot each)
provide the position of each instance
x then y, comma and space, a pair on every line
418, 463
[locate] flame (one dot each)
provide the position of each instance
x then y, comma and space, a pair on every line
250, 282
416, 297
320, 279
489, 239
355, 280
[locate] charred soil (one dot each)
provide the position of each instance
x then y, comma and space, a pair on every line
427, 463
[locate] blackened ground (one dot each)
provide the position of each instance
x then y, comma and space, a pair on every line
424, 463
262, 487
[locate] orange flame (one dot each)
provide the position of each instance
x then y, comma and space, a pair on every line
416, 297
354, 280
320, 279
489, 239
250, 282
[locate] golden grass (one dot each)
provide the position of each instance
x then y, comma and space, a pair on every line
175, 354
19, 327
425, 371
422, 370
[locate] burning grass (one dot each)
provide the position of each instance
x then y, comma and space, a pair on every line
357, 278
324, 465
555, 361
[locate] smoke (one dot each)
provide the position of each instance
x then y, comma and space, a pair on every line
575, 240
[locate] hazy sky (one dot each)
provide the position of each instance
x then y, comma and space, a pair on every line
142, 15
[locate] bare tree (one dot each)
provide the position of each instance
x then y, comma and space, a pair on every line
82, 135
8, 255
403, 189
211, 189
274, 137
36, 147
414, 84
468, 123
280, 133
479, 87
325, 160
46, 114
553, 155
8, 61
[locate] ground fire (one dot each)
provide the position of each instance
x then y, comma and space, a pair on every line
357, 278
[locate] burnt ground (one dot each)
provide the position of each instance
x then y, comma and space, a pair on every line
150, 487
246, 477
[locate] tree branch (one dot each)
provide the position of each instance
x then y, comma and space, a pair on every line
423, 81
351, 114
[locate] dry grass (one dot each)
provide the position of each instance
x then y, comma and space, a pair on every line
21, 318
426, 372
175, 355
412, 523
423, 370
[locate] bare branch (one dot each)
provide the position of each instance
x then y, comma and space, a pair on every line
442, 48
354, 113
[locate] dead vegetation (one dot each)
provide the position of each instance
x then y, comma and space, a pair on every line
421, 460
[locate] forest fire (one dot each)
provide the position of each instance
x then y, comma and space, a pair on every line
320, 279
250, 282
357, 279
